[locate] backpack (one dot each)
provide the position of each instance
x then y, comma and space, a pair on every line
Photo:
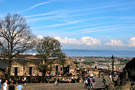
86, 82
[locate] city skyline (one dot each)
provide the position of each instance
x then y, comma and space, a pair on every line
79, 24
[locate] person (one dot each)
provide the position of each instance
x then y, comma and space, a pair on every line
25, 80
132, 86
110, 77
103, 82
72, 81
11, 86
85, 83
9, 81
102, 75
5, 86
93, 82
99, 75
0, 83
89, 82
58, 81
19, 87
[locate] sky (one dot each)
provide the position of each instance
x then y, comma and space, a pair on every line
79, 24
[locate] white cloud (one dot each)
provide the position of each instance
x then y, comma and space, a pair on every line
115, 43
90, 41
83, 41
132, 42
40, 37
67, 40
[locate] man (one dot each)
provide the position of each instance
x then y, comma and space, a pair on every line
103, 82
89, 82
5, 87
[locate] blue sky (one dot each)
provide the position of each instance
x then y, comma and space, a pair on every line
79, 24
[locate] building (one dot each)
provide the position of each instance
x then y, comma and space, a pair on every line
28, 66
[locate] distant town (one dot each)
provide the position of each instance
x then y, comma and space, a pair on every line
101, 62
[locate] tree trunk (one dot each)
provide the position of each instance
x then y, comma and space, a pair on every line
9, 68
43, 73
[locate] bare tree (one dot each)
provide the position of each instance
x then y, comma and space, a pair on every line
15, 37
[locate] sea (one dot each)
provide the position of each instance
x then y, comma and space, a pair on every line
93, 53
98, 53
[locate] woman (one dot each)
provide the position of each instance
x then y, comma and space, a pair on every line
11, 86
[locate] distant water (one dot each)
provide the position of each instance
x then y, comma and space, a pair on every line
98, 53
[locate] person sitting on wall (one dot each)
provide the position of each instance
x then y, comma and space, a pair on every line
25, 80
63, 80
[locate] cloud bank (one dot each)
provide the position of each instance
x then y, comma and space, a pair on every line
90, 41
115, 43
83, 41
132, 42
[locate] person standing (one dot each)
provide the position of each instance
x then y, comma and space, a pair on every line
58, 81
93, 82
89, 82
19, 87
110, 77
102, 75
99, 75
85, 83
5, 87
11, 86
132, 86
0, 83
103, 82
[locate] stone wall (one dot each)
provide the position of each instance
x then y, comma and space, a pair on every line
24, 69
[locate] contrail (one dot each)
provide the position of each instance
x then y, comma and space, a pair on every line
34, 6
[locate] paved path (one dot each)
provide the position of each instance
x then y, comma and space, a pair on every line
63, 86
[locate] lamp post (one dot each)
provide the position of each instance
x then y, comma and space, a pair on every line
112, 67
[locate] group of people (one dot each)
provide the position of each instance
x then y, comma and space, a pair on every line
10, 86
72, 80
